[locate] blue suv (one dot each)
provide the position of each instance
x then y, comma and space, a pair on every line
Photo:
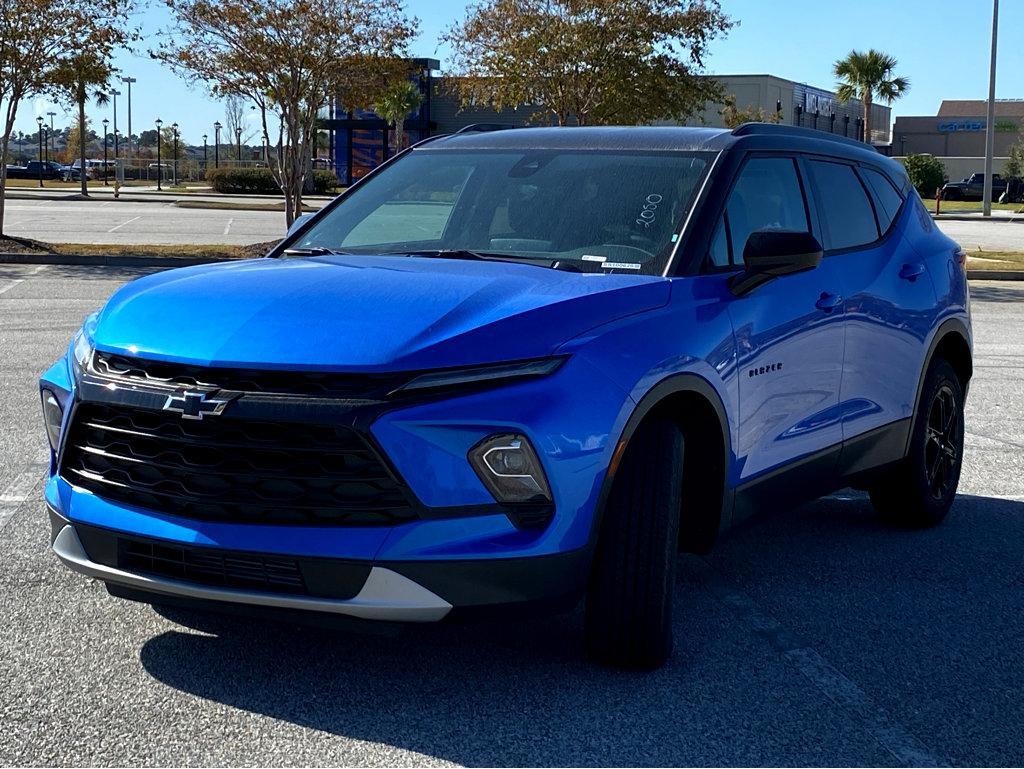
517, 369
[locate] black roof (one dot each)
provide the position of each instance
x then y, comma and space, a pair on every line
749, 136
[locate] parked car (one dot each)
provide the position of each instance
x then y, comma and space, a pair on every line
31, 170
1014, 192
973, 188
517, 369
94, 169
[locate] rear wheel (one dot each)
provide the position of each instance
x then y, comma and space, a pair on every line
920, 489
629, 604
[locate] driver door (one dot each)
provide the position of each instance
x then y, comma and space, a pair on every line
789, 332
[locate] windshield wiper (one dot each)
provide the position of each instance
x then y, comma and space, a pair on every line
487, 256
315, 251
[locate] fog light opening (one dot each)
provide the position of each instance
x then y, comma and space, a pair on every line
510, 469
53, 417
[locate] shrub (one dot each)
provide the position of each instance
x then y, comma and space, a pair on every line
260, 181
926, 172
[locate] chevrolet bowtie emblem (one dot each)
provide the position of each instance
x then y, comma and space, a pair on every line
196, 404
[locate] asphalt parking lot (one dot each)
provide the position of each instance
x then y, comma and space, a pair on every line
814, 636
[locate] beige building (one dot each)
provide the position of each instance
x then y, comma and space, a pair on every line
958, 130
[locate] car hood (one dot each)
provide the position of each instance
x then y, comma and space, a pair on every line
349, 313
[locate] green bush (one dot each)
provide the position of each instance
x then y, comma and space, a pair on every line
260, 181
926, 172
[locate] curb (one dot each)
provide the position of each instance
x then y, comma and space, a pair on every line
111, 260
995, 275
1015, 219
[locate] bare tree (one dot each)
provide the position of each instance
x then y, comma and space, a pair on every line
288, 57
235, 114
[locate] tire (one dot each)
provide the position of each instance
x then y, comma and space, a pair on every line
919, 490
952, 194
628, 620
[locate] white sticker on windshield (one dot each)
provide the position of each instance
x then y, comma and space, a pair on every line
593, 258
620, 266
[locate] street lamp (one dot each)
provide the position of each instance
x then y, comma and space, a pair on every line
216, 144
238, 142
990, 125
115, 93
174, 131
159, 167
128, 81
105, 124
205, 161
39, 121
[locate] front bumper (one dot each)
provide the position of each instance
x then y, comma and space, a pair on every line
393, 591
470, 556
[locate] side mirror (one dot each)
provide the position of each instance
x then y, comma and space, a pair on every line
771, 254
299, 221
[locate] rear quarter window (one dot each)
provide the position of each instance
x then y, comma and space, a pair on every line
888, 198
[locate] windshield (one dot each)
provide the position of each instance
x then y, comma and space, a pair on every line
588, 210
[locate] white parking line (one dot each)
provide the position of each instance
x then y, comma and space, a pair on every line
227, 227
11, 285
25, 486
903, 746
115, 228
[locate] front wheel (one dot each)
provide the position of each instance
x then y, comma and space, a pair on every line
629, 603
919, 490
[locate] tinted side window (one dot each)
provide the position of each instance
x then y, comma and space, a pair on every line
766, 195
886, 195
848, 218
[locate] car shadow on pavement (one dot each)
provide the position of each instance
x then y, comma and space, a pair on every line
923, 622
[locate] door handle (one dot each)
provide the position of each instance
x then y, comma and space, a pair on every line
828, 302
911, 271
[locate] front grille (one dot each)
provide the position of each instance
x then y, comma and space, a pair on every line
308, 383
205, 566
231, 470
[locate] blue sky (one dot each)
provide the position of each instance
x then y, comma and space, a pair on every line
942, 46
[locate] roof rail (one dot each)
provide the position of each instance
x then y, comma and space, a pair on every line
475, 127
775, 129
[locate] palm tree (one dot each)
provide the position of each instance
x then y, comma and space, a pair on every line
868, 76
395, 104
79, 78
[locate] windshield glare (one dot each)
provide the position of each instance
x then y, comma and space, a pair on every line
601, 210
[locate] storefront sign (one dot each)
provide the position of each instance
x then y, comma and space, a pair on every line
956, 126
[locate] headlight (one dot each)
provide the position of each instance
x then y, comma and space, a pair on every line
510, 469
81, 352
53, 417
481, 375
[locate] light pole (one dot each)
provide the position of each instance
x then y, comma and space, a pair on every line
105, 124
216, 144
39, 122
990, 124
53, 147
205, 161
159, 167
115, 93
128, 81
238, 142
174, 131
